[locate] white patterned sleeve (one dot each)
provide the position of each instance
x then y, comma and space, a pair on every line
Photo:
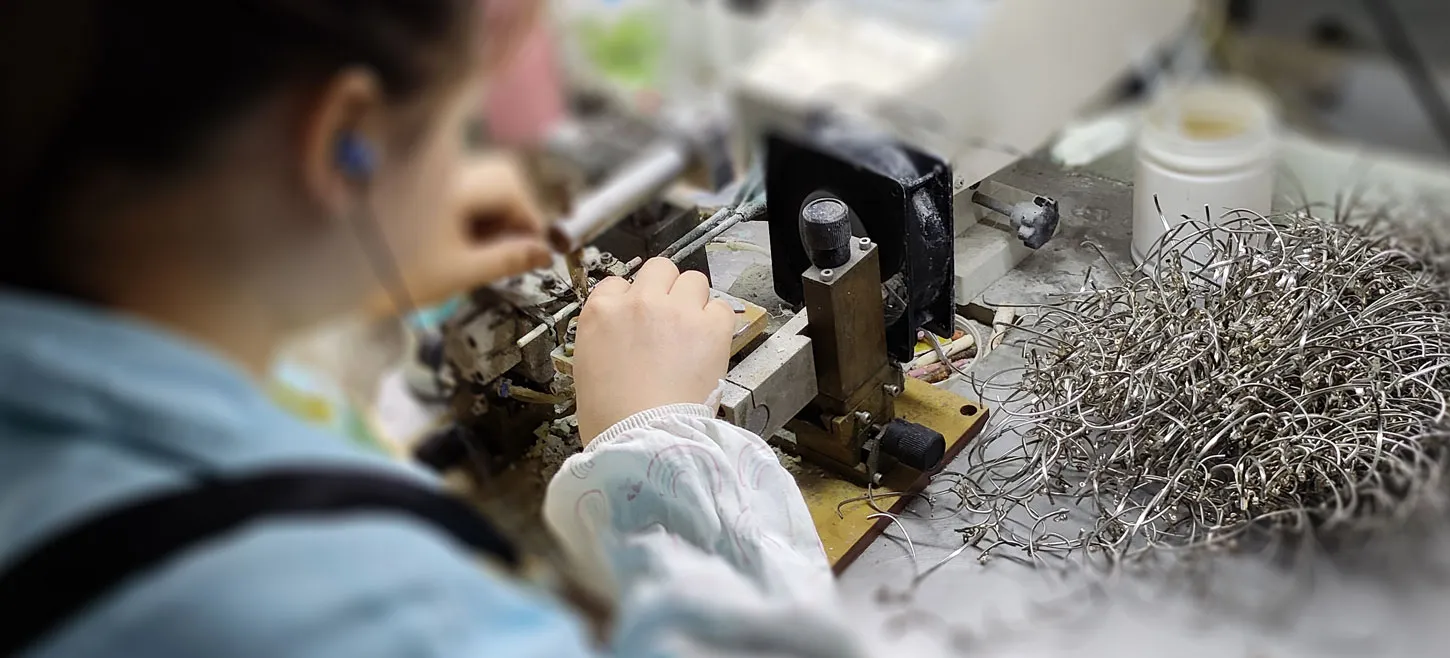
702, 537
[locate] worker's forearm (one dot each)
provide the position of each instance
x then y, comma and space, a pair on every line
697, 527
708, 483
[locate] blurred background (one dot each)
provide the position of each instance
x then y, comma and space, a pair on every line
1336, 66
1339, 71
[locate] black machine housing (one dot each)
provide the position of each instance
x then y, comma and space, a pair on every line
899, 197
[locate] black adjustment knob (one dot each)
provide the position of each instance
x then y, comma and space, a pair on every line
917, 446
826, 232
443, 449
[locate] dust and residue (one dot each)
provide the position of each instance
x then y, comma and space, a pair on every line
792, 463
558, 440
756, 284
802, 471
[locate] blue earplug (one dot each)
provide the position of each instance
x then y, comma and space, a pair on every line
355, 158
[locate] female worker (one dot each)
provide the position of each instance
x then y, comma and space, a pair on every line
182, 185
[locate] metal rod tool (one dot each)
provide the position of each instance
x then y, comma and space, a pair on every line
642, 179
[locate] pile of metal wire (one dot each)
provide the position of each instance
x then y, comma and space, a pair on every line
1282, 375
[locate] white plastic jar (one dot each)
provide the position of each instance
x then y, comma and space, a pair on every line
1208, 144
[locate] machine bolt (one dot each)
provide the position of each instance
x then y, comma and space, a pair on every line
864, 243
892, 390
864, 417
828, 274
875, 478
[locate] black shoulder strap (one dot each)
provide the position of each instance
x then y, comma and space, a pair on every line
53, 582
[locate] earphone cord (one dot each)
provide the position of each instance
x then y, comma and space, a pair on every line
380, 257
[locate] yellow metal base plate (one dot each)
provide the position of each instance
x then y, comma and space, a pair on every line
512, 499
846, 532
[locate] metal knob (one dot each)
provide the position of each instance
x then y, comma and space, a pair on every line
1035, 221
826, 232
917, 446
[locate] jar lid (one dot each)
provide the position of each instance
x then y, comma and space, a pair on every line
1210, 126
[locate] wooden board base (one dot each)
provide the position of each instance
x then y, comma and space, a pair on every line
846, 535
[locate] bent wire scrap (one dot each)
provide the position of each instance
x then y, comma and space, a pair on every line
1281, 375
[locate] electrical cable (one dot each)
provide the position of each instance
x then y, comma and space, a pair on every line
748, 211
965, 325
699, 230
380, 257
384, 264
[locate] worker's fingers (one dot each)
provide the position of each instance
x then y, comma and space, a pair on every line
503, 258
480, 265
720, 312
609, 287
692, 288
496, 199
460, 270
656, 277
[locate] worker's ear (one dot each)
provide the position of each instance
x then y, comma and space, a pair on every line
342, 138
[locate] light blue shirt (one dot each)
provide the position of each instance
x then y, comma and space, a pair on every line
690, 523
96, 410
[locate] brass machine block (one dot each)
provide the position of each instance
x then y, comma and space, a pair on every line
856, 380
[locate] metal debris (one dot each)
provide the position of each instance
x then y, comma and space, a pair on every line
1280, 376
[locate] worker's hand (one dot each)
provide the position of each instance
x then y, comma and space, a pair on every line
660, 340
496, 231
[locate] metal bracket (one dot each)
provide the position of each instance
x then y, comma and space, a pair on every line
773, 383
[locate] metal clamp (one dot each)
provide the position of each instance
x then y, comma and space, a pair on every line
773, 383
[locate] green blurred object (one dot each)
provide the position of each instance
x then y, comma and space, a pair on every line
626, 48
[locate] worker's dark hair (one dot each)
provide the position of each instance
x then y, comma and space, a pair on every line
136, 86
